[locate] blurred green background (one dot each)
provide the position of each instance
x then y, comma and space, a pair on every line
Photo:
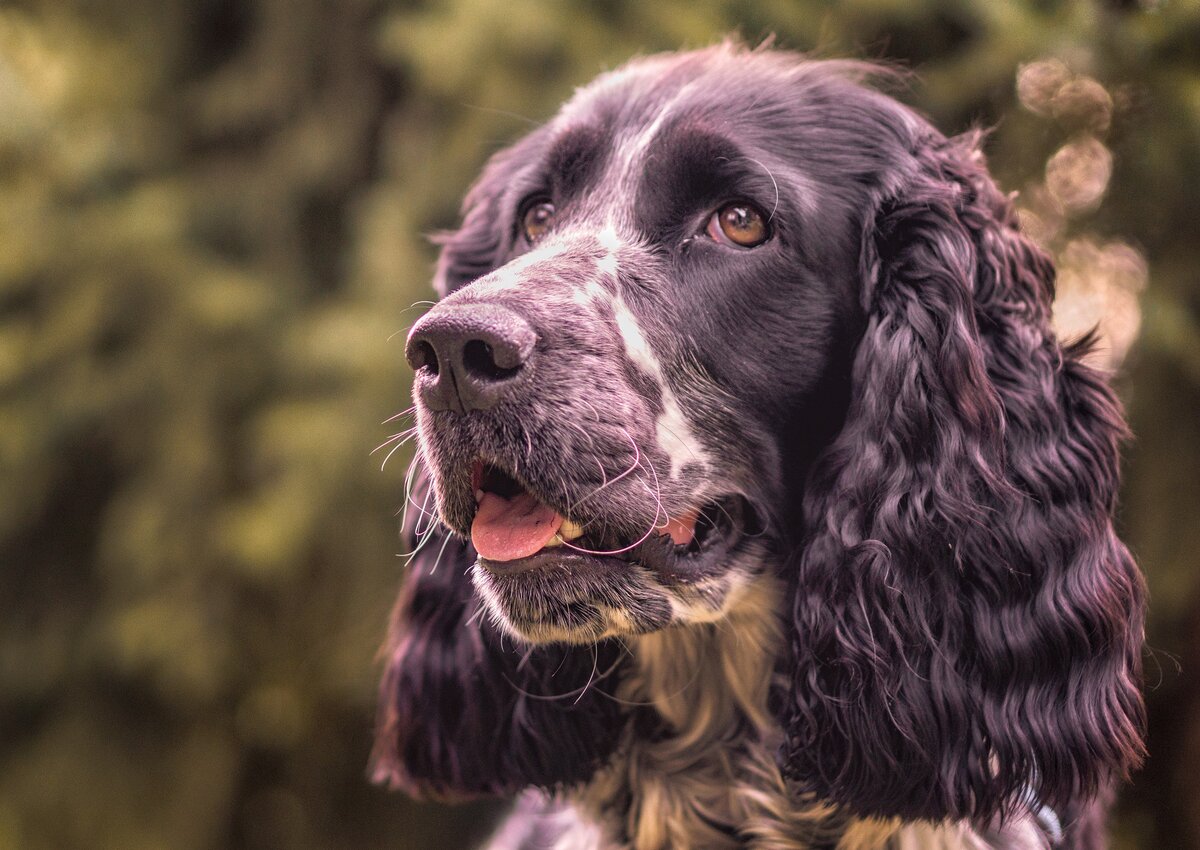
211, 240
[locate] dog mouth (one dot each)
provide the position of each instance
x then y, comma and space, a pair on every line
515, 530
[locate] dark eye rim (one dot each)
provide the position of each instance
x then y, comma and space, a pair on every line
525, 207
720, 238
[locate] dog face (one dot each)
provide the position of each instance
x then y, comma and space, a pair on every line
730, 313
604, 412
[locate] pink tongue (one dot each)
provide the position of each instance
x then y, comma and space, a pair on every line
507, 529
682, 529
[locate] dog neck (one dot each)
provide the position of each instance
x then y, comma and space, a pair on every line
696, 766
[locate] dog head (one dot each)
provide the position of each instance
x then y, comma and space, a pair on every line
640, 320
734, 313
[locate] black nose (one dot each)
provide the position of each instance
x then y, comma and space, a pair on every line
469, 356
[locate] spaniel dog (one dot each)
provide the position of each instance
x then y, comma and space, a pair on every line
756, 504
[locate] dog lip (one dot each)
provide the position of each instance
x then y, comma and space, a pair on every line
576, 563
671, 563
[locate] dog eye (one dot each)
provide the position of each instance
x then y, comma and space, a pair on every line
536, 220
739, 224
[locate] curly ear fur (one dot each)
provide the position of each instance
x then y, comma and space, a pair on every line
967, 625
463, 710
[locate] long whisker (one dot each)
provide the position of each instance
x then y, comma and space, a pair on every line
424, 513
475, 618
441, 552
411, 306
591, 676
639, 703
658, 511
410, 478
591, 407
574, 692
637, 454
772, 176
401, 435
687, 445
394, 449
396, 416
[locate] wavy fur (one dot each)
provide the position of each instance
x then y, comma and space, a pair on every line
967, 625
932, 640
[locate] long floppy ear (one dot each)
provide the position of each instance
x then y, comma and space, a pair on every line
465, 711
967, 625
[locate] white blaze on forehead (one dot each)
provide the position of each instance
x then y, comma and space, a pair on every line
635, 151
672, 429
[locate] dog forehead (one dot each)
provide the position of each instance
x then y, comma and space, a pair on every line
637, 91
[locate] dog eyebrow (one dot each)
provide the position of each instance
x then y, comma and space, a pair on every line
574, 157
696, 167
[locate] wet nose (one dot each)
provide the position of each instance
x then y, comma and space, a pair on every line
469, 357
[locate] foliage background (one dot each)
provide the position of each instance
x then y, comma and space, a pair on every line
211, 219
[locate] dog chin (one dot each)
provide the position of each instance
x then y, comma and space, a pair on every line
561, 604
567, 599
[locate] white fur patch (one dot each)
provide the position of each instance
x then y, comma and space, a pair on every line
611, 243
673, 431
608, 238
513, 274
607, 265
633, 151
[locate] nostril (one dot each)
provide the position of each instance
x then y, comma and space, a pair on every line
481, 360
469, 356
422, 356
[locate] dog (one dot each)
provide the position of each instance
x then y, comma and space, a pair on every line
755, 502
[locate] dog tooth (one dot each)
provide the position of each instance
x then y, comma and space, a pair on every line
570, 530
478, 496
554, 541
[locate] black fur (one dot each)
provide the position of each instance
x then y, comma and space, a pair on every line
929, 471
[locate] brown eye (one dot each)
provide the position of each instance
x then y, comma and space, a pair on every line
738, 224
537, 220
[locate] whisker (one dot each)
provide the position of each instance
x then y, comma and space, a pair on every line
396, 416
395, 449
591, 407
476, 617
411, 306
587, 436
571, 693
687, 445
530, 121
772, 176
404, 436
440, 553
650, 531
424, 513
409, 479
639, 703
421, 543
592, 675
636, 457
